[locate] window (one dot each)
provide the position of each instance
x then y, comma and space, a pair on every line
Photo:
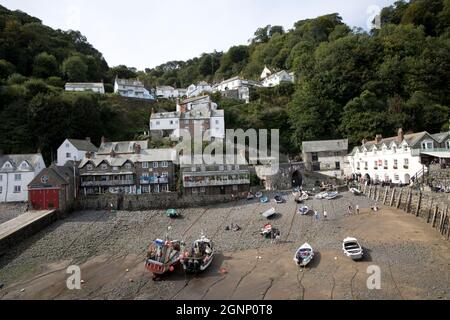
164, 164
115, 168
221, 168
394, 149
447, 144
217, 122
68, 155
145, 165
358, 166
157, 123
366, 165
1, 177
237, 167
193, 169
171, 121
406, 163
155, 165
1, 189
385, 164
375, 165
17, 189
338, 165
90, 167
315, 157
229, 167
104, 166
17, 177
396, 177
395, 163
67, 145
202, 190
427, 145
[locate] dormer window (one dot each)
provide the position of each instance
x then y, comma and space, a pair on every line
426, 145
90, 167
128, 166
104, 166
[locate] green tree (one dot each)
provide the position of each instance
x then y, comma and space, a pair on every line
45, 65
75, 69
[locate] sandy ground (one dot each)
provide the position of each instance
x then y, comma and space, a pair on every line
110, 249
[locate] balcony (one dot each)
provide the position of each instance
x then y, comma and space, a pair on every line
417, 152
109, 183
153, 180
213, 183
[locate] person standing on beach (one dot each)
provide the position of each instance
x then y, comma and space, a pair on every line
357, 209
316, 215
325, 215
350, 209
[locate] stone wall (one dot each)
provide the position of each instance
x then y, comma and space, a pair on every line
438, 176
152, 201
426, 205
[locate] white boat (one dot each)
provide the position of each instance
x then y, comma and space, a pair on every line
332, 195
270, 232
352, 248
199, 257
250, 196
304, 255
259, 194
278, 199
269, 213
355, 191
303, 210
321, 195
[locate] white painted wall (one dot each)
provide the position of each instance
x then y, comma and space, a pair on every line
398, 175
164, 124
8, 182
67, 152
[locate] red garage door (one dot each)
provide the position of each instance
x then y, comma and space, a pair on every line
44, 199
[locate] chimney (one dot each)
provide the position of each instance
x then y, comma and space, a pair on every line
112, 154
88, 139
103, 139
88, 155
401, 135
378, 138
137, 148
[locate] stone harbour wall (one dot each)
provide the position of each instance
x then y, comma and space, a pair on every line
426, 205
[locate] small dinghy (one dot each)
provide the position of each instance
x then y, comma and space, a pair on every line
250, 196
163, 256
352, 248
172, 213
304, 255
264, 200
303, 210
269, 213
259, 194
355, 191
332, 195
199, 257
269, 232
279, 199
321, 195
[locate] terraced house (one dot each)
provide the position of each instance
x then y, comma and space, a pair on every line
128, 167
401, 158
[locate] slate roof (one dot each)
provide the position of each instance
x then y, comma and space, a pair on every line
325, 145
129, 82
83, 145
85, 85
17, 159
121, 147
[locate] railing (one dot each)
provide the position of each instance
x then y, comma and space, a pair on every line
213, 183
154, 180
109, 183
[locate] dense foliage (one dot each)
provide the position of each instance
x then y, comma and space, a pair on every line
350, 83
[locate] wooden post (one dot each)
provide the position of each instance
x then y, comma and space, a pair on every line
429, 210
433, 221
408, 201
399, 198
443, 218
419, 202
385, 195
378, 194
392, 198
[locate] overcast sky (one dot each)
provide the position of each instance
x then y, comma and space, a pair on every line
146, 33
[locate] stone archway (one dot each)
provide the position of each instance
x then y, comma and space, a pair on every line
297, 179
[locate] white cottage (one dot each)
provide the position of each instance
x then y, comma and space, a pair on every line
199, 89
85, 87
16, 172
277, 78
132, 88
74, 150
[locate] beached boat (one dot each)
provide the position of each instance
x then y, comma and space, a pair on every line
259, 194
304, 255
269, 232
250, 196
172, 213
321, 195
352, 248
355, 191
199, 257
279, 199
163, 256
332, 195
303, 210
269, 213
264, 199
